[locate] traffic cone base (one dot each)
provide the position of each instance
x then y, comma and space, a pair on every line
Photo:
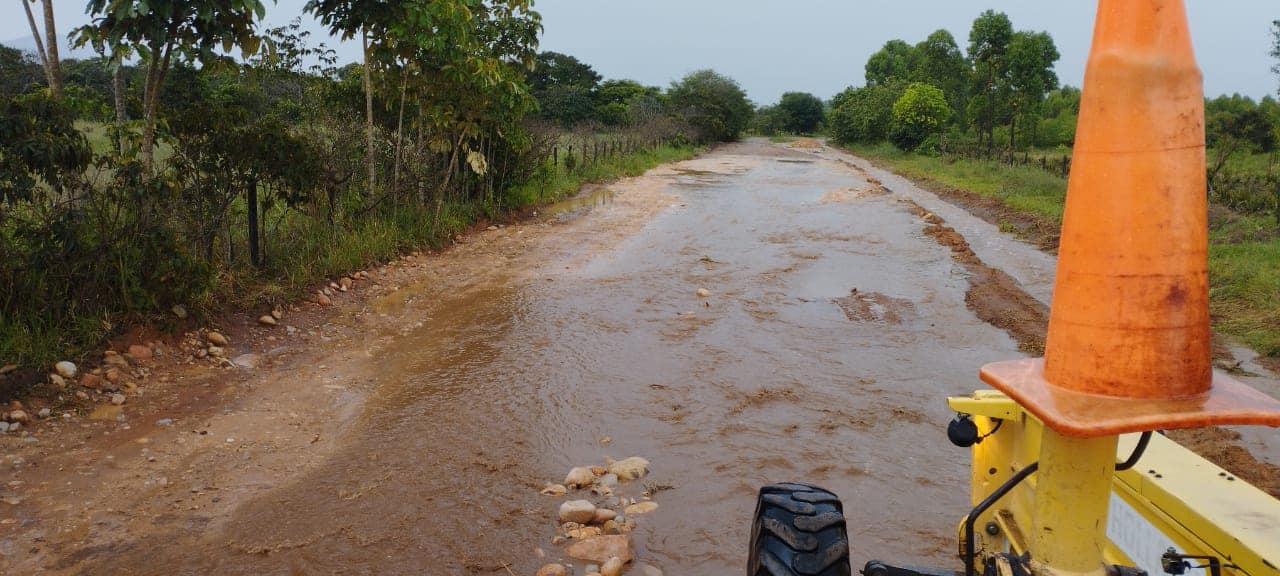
1082, 415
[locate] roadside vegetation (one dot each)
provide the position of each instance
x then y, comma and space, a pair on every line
204, 164
993, 121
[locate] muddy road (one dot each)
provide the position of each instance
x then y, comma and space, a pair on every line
411, 432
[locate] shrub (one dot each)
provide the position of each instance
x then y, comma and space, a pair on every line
921, 111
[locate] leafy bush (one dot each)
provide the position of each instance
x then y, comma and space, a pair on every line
802, 112
920, 112
864, 115
712, 104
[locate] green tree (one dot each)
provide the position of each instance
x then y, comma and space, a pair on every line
803, 112
556, 69
712, 104
863, 115
618, 102
920, 112
769, 121
1030, 60
162, 31
18, 73
988, 44
940, 62
38, 144
893, 62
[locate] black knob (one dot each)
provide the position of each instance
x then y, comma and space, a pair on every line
962, 431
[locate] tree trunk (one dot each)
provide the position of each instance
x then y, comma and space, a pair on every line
51, 39
395, 172
149, 115
122, 111
251, 190
1013, 125
370, 156
35, 34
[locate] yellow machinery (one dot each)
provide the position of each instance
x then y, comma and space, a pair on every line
1070, 474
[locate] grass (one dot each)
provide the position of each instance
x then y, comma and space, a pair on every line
1244, 251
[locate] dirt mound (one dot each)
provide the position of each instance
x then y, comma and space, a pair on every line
851, 194
806, 143
874, 307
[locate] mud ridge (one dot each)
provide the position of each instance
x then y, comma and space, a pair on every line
994, 296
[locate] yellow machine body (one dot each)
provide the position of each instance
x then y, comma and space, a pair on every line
1173, 498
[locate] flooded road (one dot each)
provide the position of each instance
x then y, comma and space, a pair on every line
833, 332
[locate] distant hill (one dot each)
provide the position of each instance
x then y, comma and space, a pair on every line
28, 44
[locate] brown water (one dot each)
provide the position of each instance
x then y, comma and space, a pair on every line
499, 381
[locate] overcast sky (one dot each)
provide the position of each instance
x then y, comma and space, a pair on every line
820, 46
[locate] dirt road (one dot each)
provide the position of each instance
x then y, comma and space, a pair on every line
411, 432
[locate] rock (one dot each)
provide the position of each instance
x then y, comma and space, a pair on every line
58, 381
603, 515
114, 359
180, 311
117, 399
584, 532
217, 339
164, 422
7, 368
91, 380
580, 511
704, 293
633, 468
323, 300
21, 416
247, 361
344, 284
609, 480
81, 394
65, 369
4, 427
641, 508
216, 351
491, 228
613, 567
553, 570
598, 470
602, 548
579, 477
277, 313
267, 320
15, 426
201, 353
113, 375
647, 570
44, 412
140, 352
554, 490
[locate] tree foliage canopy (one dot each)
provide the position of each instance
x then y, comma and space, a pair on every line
712, 104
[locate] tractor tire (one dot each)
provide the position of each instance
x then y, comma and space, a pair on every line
799, 530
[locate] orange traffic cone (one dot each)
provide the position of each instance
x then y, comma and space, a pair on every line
1128, 347
1130, 310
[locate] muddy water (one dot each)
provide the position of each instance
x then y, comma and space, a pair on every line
834, 330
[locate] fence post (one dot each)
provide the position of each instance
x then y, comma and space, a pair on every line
555, 155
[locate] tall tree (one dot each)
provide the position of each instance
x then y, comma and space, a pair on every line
988, 43
346, 19
1031, 57
1275, 49
893, 62
165, 31
47, 48
940, 62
